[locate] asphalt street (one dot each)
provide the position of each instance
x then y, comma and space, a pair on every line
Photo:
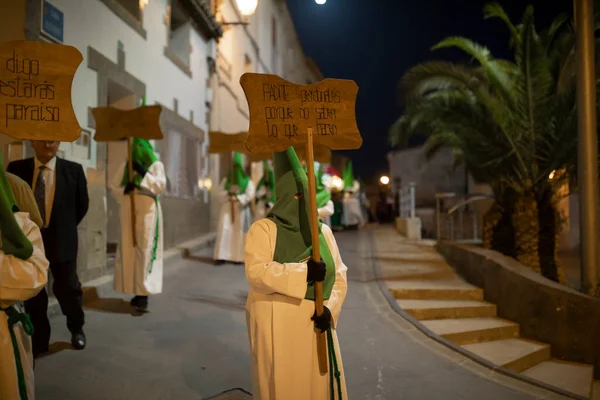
194, 345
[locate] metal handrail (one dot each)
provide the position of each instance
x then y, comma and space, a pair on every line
450, 213
470, 200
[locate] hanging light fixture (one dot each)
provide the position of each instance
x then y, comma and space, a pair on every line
247, 7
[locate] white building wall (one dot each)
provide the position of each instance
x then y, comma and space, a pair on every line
92, 23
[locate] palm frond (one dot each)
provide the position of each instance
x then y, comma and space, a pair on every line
495, 71
495, 10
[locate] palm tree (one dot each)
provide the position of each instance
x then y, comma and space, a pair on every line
513, 125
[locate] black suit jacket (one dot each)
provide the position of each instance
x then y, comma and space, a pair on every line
70, 206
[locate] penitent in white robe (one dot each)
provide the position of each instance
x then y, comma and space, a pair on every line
326, 212
134, 272
232, 236
282, 336
353, 214
261, 209
20, 280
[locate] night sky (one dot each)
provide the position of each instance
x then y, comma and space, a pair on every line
373, 42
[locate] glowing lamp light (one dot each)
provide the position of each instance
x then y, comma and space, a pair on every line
552, 175
337, 183
143, 3
384, 180
205, 183
320, 2
247, 7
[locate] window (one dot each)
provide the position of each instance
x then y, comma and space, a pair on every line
247, 64
132, 7
179, 33
183, 164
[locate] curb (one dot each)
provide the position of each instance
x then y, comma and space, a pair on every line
467, 354
103, 285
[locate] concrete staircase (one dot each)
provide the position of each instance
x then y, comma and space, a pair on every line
429, 289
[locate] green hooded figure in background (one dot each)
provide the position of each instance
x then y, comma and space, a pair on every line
237, 180
280, 307
265, 191
235, 217
24, 272
139, 269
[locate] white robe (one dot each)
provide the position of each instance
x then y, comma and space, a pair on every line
231, 237
132, 265
282, 336
20, 280
261, 210
353, 214
326, 212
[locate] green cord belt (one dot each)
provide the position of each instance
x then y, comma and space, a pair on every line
14, 317
334, 371
155, 244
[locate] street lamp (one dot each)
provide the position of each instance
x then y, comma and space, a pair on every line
247, 8
320, 1
588, 142
384, 180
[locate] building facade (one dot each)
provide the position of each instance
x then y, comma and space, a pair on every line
267, 44
173, 53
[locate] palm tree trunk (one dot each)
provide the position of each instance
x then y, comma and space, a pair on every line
550, 224
498, 231
525, 220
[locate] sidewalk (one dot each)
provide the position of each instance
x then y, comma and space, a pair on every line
430, 294
97, 287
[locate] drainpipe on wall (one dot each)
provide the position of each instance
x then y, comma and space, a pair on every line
213, 160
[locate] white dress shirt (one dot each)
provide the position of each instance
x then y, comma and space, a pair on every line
50, 177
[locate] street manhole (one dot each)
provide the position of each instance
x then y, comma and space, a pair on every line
233, 394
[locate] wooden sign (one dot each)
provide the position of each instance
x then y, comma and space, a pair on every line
322, 154
220, 142
281, 113
35, 90
113, 124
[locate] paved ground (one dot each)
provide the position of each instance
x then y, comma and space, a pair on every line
193, 344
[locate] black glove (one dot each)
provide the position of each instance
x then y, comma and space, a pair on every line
137, 167
129, 188
316, 271
323, 321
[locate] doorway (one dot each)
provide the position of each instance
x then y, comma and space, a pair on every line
116, 153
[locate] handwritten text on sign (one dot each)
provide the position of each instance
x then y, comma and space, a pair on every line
281, 113
35, 90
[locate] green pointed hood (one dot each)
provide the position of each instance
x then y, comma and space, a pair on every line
267, 180
240, 178
348, 176
323, 195
291, 215
143, 153
13, 240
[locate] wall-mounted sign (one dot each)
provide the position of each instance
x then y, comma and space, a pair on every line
52, 22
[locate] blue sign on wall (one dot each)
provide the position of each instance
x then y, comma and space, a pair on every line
52, 22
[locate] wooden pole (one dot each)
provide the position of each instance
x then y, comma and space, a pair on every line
316, 253
132, 193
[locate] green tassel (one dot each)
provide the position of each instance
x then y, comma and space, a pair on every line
15, 317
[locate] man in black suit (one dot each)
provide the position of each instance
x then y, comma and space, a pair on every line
60, 190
